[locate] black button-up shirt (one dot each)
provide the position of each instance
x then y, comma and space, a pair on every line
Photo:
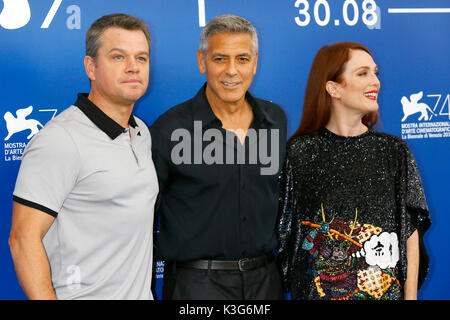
218, 199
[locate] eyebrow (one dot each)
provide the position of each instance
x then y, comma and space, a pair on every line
124, 51
365, 67
219, 54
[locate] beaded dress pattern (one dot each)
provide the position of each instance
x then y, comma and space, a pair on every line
347, 207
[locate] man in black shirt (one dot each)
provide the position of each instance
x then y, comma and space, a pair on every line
218, 158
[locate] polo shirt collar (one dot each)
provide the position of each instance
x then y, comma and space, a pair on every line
203, 111
100, 119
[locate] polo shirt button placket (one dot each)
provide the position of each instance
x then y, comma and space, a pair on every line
131, 136
135, 155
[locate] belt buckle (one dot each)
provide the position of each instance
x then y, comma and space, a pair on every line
240, 263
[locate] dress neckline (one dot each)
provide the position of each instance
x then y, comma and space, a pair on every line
331, 135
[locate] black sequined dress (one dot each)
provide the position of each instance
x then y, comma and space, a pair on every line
347, 208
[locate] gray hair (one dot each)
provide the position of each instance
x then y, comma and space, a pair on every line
227, 23
118, 20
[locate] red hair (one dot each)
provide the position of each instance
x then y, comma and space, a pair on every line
328, 65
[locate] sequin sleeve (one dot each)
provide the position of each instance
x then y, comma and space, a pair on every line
416, 205
417, 213
288, 229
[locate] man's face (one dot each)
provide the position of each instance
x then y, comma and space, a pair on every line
229, 65
120, 72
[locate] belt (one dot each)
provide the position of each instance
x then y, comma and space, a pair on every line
241, 265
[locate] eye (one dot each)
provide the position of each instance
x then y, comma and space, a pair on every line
142, 59
243, 59
118, 57
362, 74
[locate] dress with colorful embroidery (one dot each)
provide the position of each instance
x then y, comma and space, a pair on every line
350, 260
347, 207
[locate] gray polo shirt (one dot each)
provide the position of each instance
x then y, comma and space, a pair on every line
98, 180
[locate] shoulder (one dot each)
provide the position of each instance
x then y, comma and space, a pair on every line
391, 141
177, 114
71, 121
177, 117
53, 144
270, 106
273, 110
57, 130
303, 151
389, 138
302, 141
303, 147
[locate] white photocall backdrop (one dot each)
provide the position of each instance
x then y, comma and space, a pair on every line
41, 64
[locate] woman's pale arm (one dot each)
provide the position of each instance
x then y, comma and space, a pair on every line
412, 273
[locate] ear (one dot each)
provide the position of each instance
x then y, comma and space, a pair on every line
201, 62
256, 64
89, 66
333, 89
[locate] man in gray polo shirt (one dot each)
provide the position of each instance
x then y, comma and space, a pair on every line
84, 197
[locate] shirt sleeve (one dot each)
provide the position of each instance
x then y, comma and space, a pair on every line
48, 171
161, 158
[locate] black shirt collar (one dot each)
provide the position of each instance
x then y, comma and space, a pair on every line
203, 111
99, 118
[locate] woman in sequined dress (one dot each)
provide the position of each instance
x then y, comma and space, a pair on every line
352, 207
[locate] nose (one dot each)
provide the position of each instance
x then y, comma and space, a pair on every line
231, 68
132, 65
375, 80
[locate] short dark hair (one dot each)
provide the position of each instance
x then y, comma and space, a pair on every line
118, 20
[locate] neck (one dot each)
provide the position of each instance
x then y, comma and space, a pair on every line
346, 124
235, 115
118, 112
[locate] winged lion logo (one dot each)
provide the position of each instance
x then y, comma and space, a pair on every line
20, 123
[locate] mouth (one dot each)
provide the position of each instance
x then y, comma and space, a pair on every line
230, 84
132, 81
371, 95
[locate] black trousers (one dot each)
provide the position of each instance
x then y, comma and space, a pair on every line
263, 283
